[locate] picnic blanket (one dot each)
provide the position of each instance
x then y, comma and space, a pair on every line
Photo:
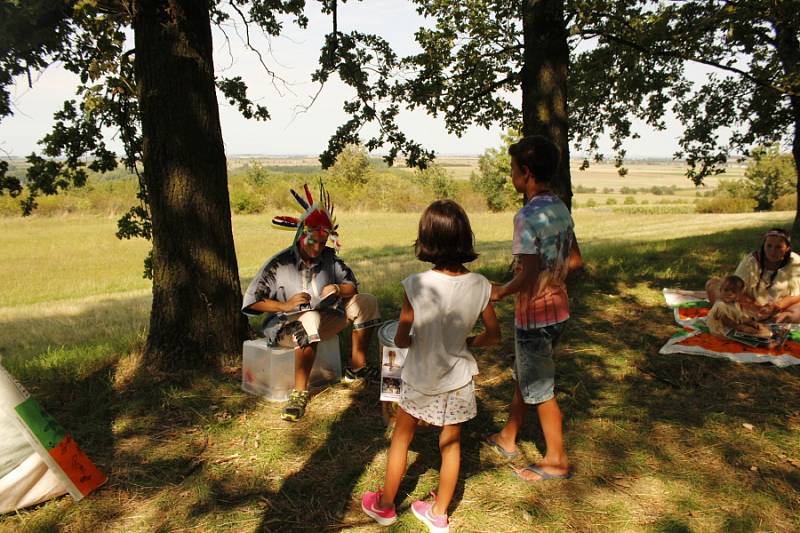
690, 309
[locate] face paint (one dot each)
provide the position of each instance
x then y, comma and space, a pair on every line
309, 237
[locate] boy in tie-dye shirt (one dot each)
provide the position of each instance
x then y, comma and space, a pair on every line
545, 251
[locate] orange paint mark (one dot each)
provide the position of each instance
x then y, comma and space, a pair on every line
688, 313
77, 466
718, 344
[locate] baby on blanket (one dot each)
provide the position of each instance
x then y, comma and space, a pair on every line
727, 312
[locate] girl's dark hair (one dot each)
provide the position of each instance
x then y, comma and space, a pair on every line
539, 154
445, 236
761, 256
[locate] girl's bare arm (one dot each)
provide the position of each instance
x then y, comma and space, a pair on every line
402, 338
491, 333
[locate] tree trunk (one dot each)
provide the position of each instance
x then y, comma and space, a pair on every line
196, 293
544, 81
788, 48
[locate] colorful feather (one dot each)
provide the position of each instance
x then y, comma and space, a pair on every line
315, 216
299, 199
284, 222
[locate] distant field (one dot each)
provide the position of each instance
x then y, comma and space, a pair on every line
601, 175
74, 257
658, 443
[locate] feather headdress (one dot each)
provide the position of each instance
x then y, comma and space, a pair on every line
316, 215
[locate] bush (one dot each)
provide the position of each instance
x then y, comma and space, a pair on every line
352, 166
726, 204
607, 190
655, 210
245, 202
769, 176
580, 189
492, 179
629, 200
627, 190
611, 201
787, 202
438, 180
591, 202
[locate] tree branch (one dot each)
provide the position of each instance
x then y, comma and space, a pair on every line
678, 55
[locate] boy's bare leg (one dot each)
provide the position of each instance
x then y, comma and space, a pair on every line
507, 437
360, 341
450, 447
555, 457
404, 427
303, 362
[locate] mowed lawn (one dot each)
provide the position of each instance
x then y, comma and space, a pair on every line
659, 443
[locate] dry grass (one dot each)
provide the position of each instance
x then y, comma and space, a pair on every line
658, 442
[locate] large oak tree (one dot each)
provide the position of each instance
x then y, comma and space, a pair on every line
160, 98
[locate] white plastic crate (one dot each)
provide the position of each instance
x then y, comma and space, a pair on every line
269, 371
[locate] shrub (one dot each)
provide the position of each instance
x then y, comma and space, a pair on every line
655, 210
769, 176
611, 201
787, 202
245, 202
580, 189
436, 178
492, 178
726, 204
591, 202
607, 190
352, 166
629, 200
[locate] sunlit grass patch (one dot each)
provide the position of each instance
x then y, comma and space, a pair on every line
658, 443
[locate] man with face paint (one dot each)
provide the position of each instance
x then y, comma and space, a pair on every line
301, 276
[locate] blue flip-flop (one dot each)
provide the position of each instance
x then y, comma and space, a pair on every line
539, 471
499, 449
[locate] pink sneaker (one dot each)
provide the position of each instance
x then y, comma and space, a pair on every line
436, 524
370, 504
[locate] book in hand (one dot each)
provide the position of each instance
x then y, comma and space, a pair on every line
328, 302
775, 340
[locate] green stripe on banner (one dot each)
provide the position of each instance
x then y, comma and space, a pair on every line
694, 304
44, 427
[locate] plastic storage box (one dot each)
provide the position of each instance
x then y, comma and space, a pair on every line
269, 371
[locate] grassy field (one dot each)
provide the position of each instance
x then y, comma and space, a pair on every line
659, 443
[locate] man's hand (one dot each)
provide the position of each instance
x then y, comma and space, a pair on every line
296, 301
328, 289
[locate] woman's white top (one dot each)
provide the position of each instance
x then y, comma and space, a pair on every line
786, 282
445, 311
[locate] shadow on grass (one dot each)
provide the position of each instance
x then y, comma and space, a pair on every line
682, 416
630, 415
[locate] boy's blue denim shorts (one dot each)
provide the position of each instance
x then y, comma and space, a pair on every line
534, 369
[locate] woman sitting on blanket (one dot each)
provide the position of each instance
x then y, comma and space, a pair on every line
727, 313
771, 277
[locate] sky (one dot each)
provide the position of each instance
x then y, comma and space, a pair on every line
293, 56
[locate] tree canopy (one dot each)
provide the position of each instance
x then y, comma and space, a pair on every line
501, 62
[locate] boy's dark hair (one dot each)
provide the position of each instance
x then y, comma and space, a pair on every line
732, 281
539, 154
445, 236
